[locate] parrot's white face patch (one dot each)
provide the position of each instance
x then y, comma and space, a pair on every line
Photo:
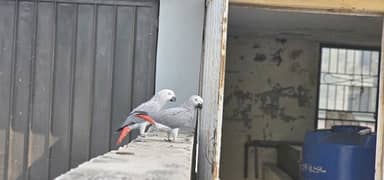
167, 94
197, 101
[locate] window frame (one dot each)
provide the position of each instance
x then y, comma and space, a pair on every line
349, 47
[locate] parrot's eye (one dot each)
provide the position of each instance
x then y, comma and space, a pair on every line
169, 94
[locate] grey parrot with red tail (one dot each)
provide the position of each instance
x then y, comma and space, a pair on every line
142, 114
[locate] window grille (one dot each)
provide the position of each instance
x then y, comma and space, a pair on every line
348, 87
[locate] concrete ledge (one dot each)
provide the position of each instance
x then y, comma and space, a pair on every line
145, 158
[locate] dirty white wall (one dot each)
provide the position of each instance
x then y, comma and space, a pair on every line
179, 46
270, 94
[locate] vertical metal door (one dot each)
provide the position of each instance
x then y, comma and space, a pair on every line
70, 70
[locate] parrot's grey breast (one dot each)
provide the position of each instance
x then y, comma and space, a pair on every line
177, 117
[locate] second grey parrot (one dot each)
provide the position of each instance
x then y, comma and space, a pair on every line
181, 117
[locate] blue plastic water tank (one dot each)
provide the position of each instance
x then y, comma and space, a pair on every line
340, 153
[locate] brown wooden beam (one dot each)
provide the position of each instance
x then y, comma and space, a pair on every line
380, 118
333, 6
215, 42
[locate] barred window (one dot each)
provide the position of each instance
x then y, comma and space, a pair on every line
348, 90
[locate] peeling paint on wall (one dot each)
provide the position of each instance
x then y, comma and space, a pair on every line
281, 40
270, 100
260, 57
296, 54
276, 56
270, 94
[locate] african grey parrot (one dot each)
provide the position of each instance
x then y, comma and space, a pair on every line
142, 114
183, 117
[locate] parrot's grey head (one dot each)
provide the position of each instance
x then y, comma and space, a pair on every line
167, 95
197, 101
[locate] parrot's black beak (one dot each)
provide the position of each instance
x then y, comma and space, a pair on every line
173, 99
199, 106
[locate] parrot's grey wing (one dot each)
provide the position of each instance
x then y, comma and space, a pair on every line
149, 106
138, 113
175, 112
141, 107
171, 117
132, 119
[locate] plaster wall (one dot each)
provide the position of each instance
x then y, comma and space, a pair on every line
270, 94
179, 46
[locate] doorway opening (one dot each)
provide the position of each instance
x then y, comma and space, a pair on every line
273, 77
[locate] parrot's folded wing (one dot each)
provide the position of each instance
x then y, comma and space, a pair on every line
133, 118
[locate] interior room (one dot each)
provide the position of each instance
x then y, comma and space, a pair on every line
290, 72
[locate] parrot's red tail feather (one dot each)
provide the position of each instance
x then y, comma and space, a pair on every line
123, 133
146, 118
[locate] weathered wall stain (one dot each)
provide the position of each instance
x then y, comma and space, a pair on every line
232, 72
296, 67
285, 117
242, 107
260, 57
242, 96
295, 54
276, 56
244, 113
264, 133
227, 99
303, 97
270, 100
269, 95
281, 40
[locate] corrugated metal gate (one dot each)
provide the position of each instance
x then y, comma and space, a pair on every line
70, 70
